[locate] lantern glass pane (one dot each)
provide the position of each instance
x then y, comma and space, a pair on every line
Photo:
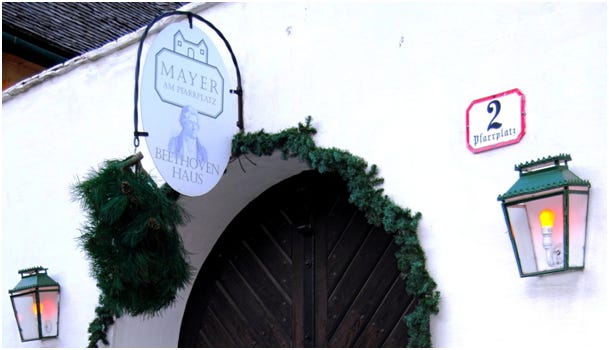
26, 313
521, 236
49, 301
539, 238
578, 211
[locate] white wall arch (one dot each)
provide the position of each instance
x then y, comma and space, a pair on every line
210, 214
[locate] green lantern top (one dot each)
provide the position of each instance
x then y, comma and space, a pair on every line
34, 277
543, 174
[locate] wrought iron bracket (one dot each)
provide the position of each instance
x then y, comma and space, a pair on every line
237, 91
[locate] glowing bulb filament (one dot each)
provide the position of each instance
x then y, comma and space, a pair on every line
546, 219
35, 309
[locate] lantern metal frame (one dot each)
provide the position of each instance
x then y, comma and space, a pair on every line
546, 180
35, 282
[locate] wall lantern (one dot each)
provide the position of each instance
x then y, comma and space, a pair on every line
35, 302
546, 212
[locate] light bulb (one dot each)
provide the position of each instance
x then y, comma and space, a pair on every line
546, 218
35, 309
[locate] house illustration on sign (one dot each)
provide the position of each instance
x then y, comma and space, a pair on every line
196, 51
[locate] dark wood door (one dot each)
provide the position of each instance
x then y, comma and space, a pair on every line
299, 267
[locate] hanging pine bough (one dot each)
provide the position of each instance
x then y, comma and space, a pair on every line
131, 238
365, 194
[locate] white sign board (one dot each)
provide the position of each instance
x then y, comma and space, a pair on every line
187, 109
495, 121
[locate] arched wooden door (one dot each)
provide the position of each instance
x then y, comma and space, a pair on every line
299, 267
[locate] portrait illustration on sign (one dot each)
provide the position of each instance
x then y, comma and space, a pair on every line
186, 144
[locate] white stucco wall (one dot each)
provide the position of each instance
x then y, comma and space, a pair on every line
389, 82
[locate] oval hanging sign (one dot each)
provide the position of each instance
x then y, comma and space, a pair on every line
187, 109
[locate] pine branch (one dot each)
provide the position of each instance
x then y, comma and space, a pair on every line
364, 184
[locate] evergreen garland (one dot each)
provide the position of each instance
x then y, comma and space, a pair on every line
365, 194
136, 253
